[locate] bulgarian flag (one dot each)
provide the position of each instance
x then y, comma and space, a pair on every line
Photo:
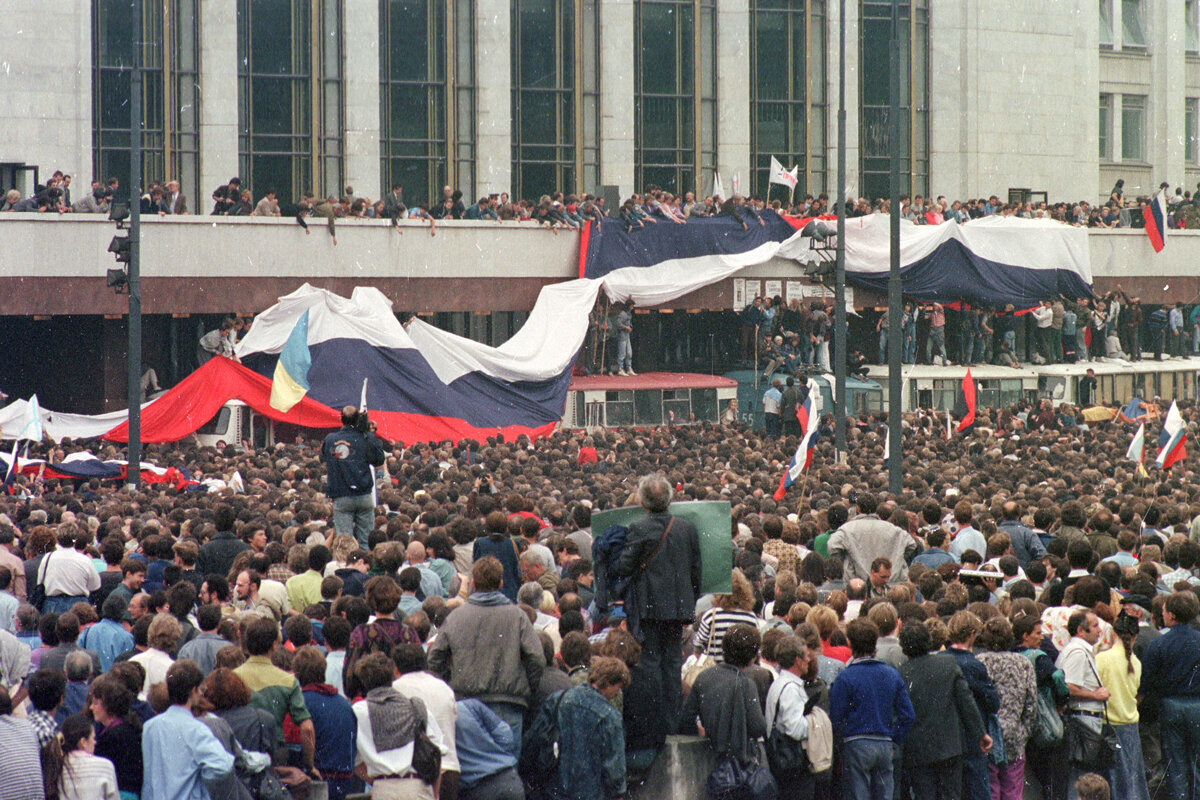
1171, 440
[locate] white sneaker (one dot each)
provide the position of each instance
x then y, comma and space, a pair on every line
630, 373
622, 372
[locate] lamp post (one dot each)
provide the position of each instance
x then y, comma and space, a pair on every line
839, 291
895, 330
134, 470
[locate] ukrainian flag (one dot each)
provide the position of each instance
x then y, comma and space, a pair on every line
290, 383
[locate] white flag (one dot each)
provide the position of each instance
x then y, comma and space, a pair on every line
718, 189
887, 445
782, 176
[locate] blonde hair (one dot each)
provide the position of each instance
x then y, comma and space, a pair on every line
824, 619
742, 596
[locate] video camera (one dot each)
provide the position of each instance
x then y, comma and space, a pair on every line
362, 422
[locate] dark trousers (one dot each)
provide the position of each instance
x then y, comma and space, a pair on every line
941, 780
791, 427
772, 424
660, 671
976, 783
1180, 731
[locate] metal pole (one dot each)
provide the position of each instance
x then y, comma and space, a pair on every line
895, 479
134, 471
839, 292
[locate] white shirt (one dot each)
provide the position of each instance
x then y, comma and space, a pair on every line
66, 571
439, 701
398, 760
1078, 663
88, 777
785, 705
1044, 315
156, 664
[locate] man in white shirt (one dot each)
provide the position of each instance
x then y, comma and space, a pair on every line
785, 704
1043, 315
415, 681
1078, 662
67, 573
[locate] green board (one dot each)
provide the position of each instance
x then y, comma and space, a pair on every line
711, 518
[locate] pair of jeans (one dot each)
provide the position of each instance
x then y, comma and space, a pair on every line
1007, 782
624, 351
771, 422
883, 340
660, 670
936, 344
504, 785
1128, 774
514, 716
355, 516
867, 769
1179, 725
62, 603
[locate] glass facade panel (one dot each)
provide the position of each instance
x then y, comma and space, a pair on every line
543, 80
1106, 23
1191, 111
170, 80
1133, 31
665, 95
1133, 127
1106, 127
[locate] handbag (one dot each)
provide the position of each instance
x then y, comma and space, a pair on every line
731, 780
1047, 730
693, 668
785, 755
267, 786
37, 592
426, 758
1088, 748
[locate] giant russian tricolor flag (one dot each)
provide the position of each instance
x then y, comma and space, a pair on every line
1156, 221
1172, 439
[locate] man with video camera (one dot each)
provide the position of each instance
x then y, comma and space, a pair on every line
350, 456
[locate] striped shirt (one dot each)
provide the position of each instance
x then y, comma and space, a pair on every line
88, 777
21, 767
713, 625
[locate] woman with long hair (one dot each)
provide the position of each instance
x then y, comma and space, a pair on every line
84, 775
1120, 672
119, 735
735, 608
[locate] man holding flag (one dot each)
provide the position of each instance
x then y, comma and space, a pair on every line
1172, 439
350, 455
808, 415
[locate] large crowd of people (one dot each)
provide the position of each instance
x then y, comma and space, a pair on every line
443, 618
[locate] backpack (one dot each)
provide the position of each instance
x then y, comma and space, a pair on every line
538, 765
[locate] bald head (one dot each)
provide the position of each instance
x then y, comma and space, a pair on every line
349, 414
415, 553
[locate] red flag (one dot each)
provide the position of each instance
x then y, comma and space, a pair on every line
968, 388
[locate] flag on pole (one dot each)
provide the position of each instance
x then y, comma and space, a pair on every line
290, 382
1156, 221
1137, 447
968, 389
887, 444
718, 189
1171, 440
782, 176
808, 414
12, 464
32, 418
948, 425
362, 401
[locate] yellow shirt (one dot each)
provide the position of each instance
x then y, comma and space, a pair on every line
1120, 682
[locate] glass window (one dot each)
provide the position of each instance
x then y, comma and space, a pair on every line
1106, 127
1133, 32
778, 63
1191, 26
414, 84
1106, 23
543, 64
1133, 127
170, 92
665, 94
874, 75
289, 97
1191, 109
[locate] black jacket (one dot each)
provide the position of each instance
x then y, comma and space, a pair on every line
670, 583
217, 555
349, 457
948, 720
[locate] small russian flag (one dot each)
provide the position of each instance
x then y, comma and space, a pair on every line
1156, 221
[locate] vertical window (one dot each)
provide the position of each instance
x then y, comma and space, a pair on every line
1106, 23
1191, 26
170, 92
778, 63
427, 97
588, 62
1133, 32
665, 94
413, 73
874, 75
1106, 127
1191, 118
1133, 127
919, 96
706, 103
543, 66
290, 114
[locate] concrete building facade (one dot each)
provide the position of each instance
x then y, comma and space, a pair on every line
532, 96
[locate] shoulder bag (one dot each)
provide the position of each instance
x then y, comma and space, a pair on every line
694, 666
785, 755
1088, 748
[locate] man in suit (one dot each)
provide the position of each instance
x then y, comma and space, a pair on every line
662, 560
393, 202
173, 201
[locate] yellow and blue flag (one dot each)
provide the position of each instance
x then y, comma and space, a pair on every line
290, 382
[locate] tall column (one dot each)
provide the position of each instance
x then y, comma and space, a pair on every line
493, 97
1165, 109
360, 27
733, 94
617, 80
218, 99
853, 164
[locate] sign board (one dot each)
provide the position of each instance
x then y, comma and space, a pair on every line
712, 521
753, 290
773, 289
739, 294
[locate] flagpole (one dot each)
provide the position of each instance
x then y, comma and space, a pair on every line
895, 476
839, 284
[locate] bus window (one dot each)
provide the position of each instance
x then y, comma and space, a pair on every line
618, 407
1011, 391
648, 407
1051, 387
924, 398
679, 401
218, 425
704, 405
1121, 389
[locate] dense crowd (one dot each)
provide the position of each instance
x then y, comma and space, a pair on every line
281, 642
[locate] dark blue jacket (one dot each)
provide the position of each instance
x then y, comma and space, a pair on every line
868, 698
336, 728
349, 457
1171, 665
984, 691
504, 549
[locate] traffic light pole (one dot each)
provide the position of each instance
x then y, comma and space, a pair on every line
134, 470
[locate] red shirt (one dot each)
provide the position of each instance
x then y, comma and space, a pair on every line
587, 455
840, 652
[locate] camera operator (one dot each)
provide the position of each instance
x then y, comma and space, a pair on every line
350, 456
